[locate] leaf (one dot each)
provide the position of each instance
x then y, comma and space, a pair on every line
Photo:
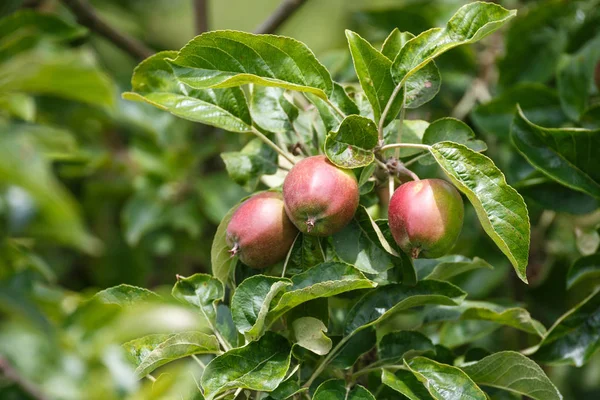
458, 333
585, 269
396, 346
154, 82
552, 195
451, 130
574, 337
309, 333
412, 132
513, 372
373, 71
351, 146
286, 390
200, 290
336, 390
359, 344
153, 351
500, 209
260, 365
384, 301
247, 166
306, 253
221, 59
251, 302
330, 117
424, 84
444, 382
539, 103
406, 383
565, 155
125, 295
324, 280
446, 267
19, 105
225, 325
270, 109
220, 259
471, 23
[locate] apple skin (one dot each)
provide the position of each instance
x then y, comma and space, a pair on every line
260, 232
426, 217
319, 197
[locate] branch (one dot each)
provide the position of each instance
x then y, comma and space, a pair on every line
12, 375
86, 16
201, 16
285, 10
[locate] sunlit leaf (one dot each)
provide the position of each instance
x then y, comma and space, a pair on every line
351, 146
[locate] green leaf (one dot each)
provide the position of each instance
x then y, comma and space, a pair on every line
200, 290
54, 143
18, 105
153, 82
500, 209
359, 344
306, 253
565, 155
412, 132
351, 146
539, 103
574, 337
373, 71
406, 383
221, 59
458, 333
286, 390
451, 130
336, 390
324, 280
403, 262
471, 23
247, 166
444, 382
260, 365
150, 352
220, 259
396, 346
125, 295
575, 77
225, 325
446, 267
384, 301
584, 270
252, 301
330, 117
513, 372
395, 42
552, 195
270, 109
309, 333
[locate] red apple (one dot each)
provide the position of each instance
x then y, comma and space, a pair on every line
319, 197
426, 217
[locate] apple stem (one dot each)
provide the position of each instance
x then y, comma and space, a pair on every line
310, 224
234, 250
414, 253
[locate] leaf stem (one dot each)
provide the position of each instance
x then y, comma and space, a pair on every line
414, 160
401, 124
151, 378
200, 363
336, 108
287, 258
406, 145
272, 145
391, 187
327, 360
386, 110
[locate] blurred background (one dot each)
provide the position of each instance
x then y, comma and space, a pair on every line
96, 191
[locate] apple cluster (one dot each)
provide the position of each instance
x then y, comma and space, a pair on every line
320, 199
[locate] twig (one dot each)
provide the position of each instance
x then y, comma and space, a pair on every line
11, 374
200, 363
201, 15
289, 254
86, 16
272, 145
407, 145
285, 10
386, 110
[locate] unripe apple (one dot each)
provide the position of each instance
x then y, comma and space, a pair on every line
426, 217
319, 197
260, 232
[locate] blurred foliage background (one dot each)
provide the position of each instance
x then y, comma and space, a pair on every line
96, 191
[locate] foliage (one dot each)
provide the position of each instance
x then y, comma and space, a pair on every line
101, 191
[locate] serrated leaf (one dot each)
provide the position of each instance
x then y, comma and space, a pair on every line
125, 295
306, 253
451, 130
252, 301
584, 269
396, 346
500, 209
406, 383
260, 365
513, 372
154, 82
153, 351
565, 155
360, 343
200, 290
220, 259
271, 110
444, 382
336, 390
324, 280
575, 336
222, 59
446, 267
245, 167
373, 71
384, 301
471, 23
539, 103
309, 333
351, 146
